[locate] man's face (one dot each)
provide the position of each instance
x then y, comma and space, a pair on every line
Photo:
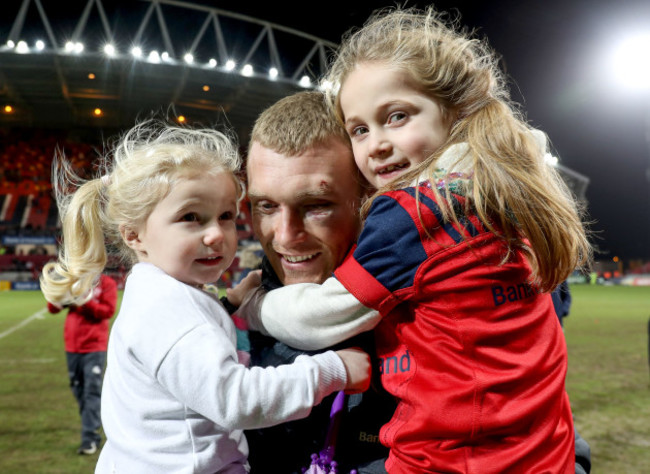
305, 208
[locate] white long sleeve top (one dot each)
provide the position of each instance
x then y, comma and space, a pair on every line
175, 398
317, 316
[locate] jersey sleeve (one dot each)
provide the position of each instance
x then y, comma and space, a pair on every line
104, 301
311, 316
389, 252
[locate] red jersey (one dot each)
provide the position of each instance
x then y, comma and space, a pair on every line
86, 327
473, 353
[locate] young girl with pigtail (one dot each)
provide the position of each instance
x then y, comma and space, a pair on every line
467, 234
175, 398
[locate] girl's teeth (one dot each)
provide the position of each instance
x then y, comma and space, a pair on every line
390, 168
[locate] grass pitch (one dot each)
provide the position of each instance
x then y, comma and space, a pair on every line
609, 379
608, 383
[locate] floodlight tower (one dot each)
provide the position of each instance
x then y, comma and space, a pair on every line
631, 65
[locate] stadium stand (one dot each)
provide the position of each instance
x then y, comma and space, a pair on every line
29, 223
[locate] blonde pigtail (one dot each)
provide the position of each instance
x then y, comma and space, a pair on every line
82, 257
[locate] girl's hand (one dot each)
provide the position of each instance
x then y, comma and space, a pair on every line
251, 282
357, 365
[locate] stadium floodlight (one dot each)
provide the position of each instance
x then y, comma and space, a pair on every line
247, 70
109, 50
154, 57
11, 44
630, 62
22, 47
273, 73
212, 62
305, 81
78, 47
189, 59
136, 52
40, 45
164, 56
230, 65
69, 46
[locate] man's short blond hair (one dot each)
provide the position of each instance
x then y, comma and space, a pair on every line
296, 123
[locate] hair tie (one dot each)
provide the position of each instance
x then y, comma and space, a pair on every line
106, 180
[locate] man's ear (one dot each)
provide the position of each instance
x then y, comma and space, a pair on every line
131, 238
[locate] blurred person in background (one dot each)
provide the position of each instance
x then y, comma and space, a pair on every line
561, 297
86, 339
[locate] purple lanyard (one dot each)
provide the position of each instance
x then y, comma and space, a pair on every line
323, 462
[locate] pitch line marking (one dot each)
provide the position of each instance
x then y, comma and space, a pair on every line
37, 315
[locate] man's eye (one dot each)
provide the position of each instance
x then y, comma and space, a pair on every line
318, 206
264, 207
190, 217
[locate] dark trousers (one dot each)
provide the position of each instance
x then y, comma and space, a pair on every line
86, 372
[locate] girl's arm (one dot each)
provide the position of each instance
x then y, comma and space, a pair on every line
308, 316
201, 371
385, 261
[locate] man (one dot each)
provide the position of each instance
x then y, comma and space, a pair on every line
305, 193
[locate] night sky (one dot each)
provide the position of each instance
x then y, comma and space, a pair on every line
555, 54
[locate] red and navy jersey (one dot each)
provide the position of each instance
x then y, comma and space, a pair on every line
474, 354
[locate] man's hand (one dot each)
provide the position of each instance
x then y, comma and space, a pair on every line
358, 368
251, 282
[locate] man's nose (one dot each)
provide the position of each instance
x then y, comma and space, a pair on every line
289, 228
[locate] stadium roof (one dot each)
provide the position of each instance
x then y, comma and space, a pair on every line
55, 70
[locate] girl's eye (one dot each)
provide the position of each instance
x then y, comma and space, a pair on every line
396, 117
227, 216
357, 131
190, 217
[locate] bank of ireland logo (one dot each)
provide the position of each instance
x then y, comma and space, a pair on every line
396, 367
